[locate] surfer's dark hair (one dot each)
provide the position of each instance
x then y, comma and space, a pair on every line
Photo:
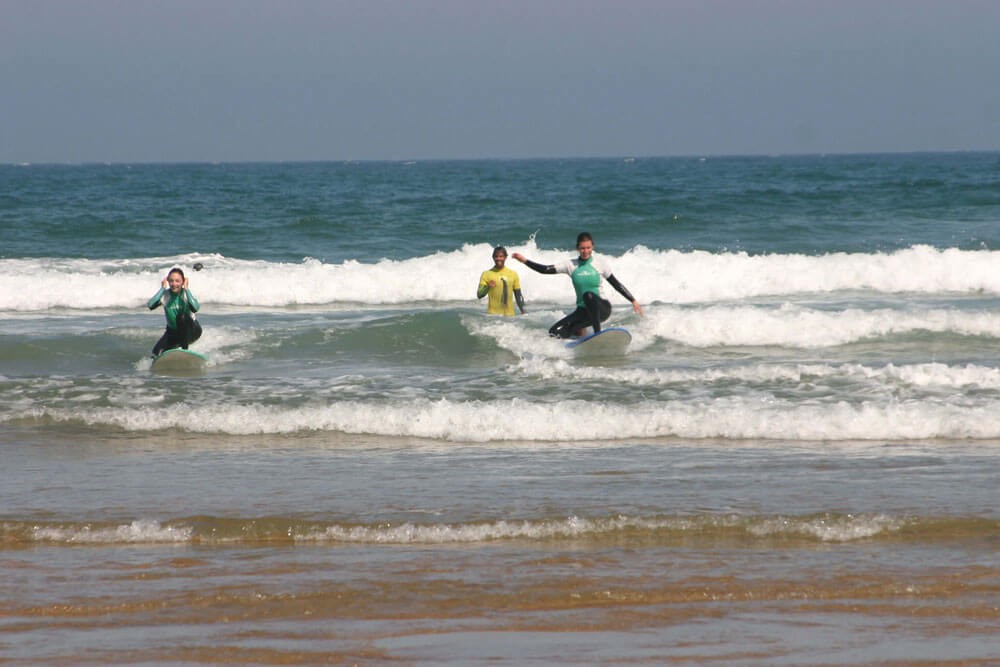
176, 269
501, 249
584, 236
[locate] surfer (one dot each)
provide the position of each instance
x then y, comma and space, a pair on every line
586, 272
179, 305
499, 282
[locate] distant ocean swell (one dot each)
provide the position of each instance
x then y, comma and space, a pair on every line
665, 276
638, 530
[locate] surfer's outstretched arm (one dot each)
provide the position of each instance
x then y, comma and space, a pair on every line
614, 282
534, 266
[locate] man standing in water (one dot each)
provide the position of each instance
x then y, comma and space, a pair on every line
500, 283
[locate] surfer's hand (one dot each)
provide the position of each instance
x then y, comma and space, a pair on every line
519, 257
165, 284
185, 283
637, 308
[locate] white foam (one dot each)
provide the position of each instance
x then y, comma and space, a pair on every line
844, 528
797, 326
135, 532
699, 276
788, 325
666, 276
921, 375
408, 533
221, 345
755, 415
827, 529
520, 334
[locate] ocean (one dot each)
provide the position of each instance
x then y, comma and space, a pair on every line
794, 464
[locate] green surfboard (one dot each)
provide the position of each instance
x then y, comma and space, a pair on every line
179, 362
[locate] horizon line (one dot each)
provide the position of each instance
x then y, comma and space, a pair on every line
624, 157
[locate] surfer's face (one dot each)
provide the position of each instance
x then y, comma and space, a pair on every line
176, 281
499, 259
585, 248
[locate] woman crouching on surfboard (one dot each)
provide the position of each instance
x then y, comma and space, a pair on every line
586, 272
179, 305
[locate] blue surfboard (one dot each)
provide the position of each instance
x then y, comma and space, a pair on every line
178, 361
605, 343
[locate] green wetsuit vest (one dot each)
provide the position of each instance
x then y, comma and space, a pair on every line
586, 276
174, 304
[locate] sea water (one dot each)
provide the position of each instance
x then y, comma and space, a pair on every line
795, 463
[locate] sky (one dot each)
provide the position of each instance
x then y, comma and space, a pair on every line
255, 80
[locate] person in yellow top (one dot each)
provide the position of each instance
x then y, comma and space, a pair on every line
500, 283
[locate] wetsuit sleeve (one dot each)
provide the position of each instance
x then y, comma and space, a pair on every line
483, 288
520, 300
156, 300
192, 302
614, 282
540, 268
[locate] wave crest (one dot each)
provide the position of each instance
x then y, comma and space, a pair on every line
667, 276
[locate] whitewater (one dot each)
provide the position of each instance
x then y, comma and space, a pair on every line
655, 276
794, 462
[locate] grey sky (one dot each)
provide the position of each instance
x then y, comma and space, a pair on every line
149, 81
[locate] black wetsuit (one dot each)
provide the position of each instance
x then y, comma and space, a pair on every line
591, 307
